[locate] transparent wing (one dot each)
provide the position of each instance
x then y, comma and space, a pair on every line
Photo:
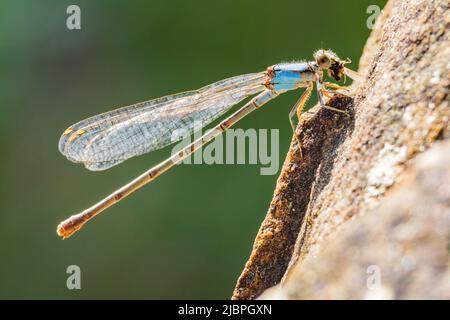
107, 139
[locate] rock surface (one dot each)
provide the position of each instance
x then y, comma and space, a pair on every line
356, 215
399, 250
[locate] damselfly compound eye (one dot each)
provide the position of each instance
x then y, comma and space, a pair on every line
323, 59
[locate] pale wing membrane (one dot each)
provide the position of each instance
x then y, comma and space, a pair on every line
99, 122
110, 138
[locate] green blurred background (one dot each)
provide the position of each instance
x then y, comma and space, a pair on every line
188, 235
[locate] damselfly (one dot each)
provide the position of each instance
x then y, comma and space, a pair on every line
110, 138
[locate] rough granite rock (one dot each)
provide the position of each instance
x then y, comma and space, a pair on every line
400, 250
353, 166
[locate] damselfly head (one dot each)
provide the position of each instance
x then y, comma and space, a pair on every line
328, 60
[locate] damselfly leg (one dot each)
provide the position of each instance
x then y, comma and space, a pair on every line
335, 87
299, 105
321, 93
